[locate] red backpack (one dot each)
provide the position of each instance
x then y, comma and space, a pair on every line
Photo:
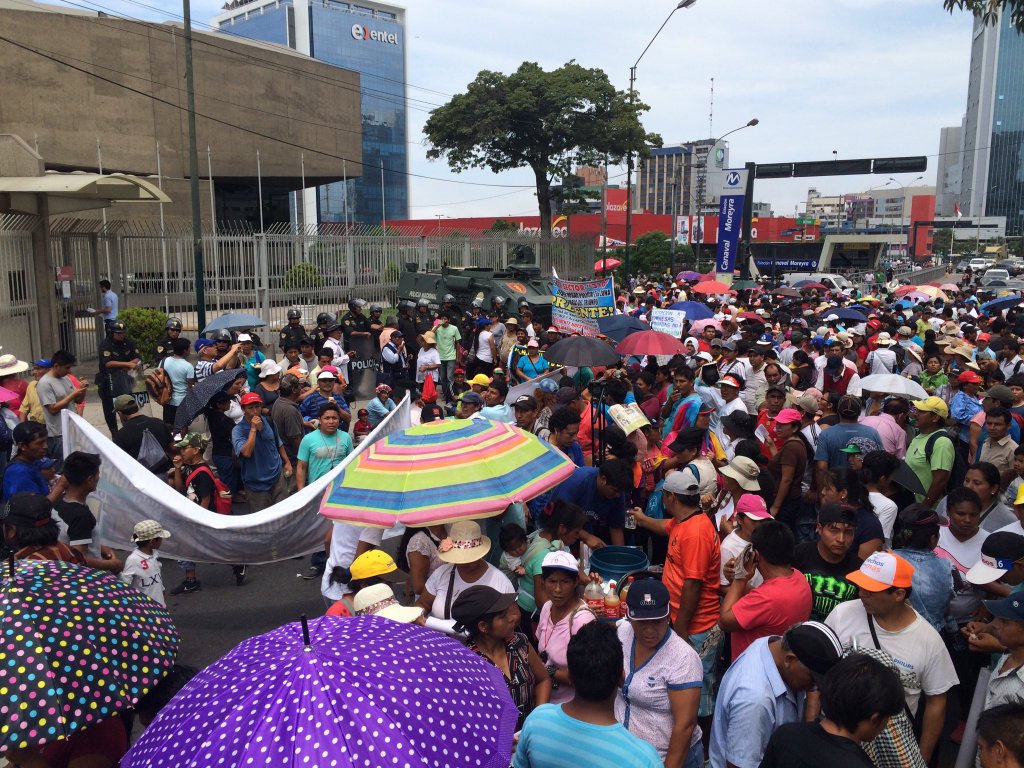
222, 495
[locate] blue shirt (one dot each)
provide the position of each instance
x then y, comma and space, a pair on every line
931, 586
831, 442
552, 739
580, 488
20, 477
752, 702
379, 410
963, 408
110, 300
310, 407
499, 412
261, 470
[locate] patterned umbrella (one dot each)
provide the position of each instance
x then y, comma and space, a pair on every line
688, 275
442, 472
358, 691
76, 646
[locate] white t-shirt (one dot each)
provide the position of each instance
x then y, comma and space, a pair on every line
344, 540
964, 555
142, 572
437, 585
885, 511
483, 347
427, 356
918, 650
881, 360
732, 546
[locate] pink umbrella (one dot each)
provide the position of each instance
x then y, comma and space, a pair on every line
7, 395
917, 296
708, 276
699, 325
711, 286
950, 287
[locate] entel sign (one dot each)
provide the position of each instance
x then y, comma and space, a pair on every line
359, 32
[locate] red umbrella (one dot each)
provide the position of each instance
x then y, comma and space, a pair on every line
903, 290
934, 284
650, 343
791, 293
711, 286
748, 316
708, 276
603, 265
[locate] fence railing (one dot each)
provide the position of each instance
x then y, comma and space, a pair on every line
244, 271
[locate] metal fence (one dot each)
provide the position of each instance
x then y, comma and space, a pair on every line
260, 273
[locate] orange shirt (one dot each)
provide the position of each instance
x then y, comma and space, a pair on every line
694, 553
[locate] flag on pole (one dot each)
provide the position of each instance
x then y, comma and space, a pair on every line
956, 210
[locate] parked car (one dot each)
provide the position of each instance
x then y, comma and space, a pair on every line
991, 275
979, 262
1013, 266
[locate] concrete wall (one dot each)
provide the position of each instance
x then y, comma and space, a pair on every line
259, 87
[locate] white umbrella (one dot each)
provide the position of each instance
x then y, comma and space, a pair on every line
893, 384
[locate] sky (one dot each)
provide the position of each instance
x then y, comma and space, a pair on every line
861, 78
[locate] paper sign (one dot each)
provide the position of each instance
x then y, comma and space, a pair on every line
577, 304
629, 418
668, 321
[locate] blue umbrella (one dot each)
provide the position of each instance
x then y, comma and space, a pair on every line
694, 310
844, 313
997, 305
618, 327
233, 321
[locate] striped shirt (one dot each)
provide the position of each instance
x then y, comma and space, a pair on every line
552, 739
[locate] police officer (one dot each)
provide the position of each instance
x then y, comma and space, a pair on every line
424, 319
292, 333
376, 323
448, 305
172, 330
407, 325
498, 305
354, 322
119, 359
319, 334
223, 340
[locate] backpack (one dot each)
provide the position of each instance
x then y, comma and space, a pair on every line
222, 494
159, 385
151, 453
959, 470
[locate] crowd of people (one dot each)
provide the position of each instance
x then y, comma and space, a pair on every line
832, 566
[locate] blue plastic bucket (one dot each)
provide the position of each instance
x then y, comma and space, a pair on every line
615, 562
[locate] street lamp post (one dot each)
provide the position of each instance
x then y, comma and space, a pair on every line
629, 154
903, 209
702, 183
676, 199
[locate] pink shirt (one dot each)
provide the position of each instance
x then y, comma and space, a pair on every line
553, 639
894, 438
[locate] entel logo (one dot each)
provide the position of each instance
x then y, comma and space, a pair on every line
733, 179
359, 32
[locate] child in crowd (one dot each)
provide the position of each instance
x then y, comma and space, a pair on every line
141, 567
362, 427
1018, 477
512, 539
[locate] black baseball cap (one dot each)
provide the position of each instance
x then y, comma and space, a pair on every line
529, 402
647, 600
477, 602
816, 646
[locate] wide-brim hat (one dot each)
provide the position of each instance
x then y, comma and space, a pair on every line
465, 543
10, 365
379, 600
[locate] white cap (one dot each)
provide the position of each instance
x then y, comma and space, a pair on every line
244, 337
561, 560
691, 480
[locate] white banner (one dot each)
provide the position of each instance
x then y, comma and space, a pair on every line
128, 493
528, 388
668, 321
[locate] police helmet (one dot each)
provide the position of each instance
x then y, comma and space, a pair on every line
478, 303
117, 327
376, 308
354, 304
224, 335
172, 324
498, 301
423, 303
448, 299
294, 314
324, 317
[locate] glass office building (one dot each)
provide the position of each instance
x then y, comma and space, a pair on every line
368, 38
993, 142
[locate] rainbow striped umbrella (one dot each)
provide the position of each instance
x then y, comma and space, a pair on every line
444, 471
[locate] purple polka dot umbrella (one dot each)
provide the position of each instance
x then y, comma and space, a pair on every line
362, 691
76, 646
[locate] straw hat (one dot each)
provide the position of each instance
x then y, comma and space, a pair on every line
465, 543
379, 600
428, 338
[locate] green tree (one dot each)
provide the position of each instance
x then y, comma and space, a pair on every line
501, 225
301, 277
649, 255
146, 328
546, 121
988, 10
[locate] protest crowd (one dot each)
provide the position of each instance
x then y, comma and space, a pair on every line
822, 493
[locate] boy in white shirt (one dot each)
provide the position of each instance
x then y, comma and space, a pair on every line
141, 567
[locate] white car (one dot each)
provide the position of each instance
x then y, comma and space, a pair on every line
979, 263
994, 274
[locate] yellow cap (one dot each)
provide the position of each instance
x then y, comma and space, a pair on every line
1020, 496
376, 562
933, 405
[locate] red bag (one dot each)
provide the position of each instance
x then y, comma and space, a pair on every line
222, 494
